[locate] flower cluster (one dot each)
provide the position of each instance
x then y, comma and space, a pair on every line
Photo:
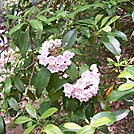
50, 56
85, 87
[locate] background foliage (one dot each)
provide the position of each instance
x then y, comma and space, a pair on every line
98, 32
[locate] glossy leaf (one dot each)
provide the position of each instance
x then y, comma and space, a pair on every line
86, 130
104, 21
42, 80
48, 113
83, 68
112, 44
119, 34
118, 95
19, 84
9, 16
100, 122
104, 105
120, 114
36, 25
43, 18
98, 17
72, 72
15, 28
7, 85
52, 129
90, 111
29, 129
107, 29
125, 74
13, 104
69, 39
22, 119
97, 118
31, 110
2, 126
72, 126
85, 31
23, 45
126, 86
130, 69
112, 20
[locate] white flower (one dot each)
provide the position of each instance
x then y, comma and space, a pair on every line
68, 54
51, 60
49, 56
52, 68
85, 87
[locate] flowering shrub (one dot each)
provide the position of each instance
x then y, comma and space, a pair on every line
66, 56
85, 87
50, 55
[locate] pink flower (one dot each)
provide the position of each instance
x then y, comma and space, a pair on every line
49, 56
68, 54
60, 60
68, 89
43, 60
52, 68
85, 87
51, 60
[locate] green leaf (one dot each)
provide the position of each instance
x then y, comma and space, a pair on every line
72, 72
19, 84
36, 25
130, 69
13, 103
120, 114
86, 130
23, 45
118, 95
104, 21
112, 20
98, 118
100, 122
7, 85
125, 74
69, 39
83, 68
72, 126
48, 113
31, 110
9, 16
113, 45
29, 129
22, 119
71, 104
52, 129
107, 29
97, 18
85, 31
2, 126
90, 111
43, 18
126, 86
119, 34
42, 80
15, 28
104, 105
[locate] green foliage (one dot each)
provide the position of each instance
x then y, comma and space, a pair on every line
96, 32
